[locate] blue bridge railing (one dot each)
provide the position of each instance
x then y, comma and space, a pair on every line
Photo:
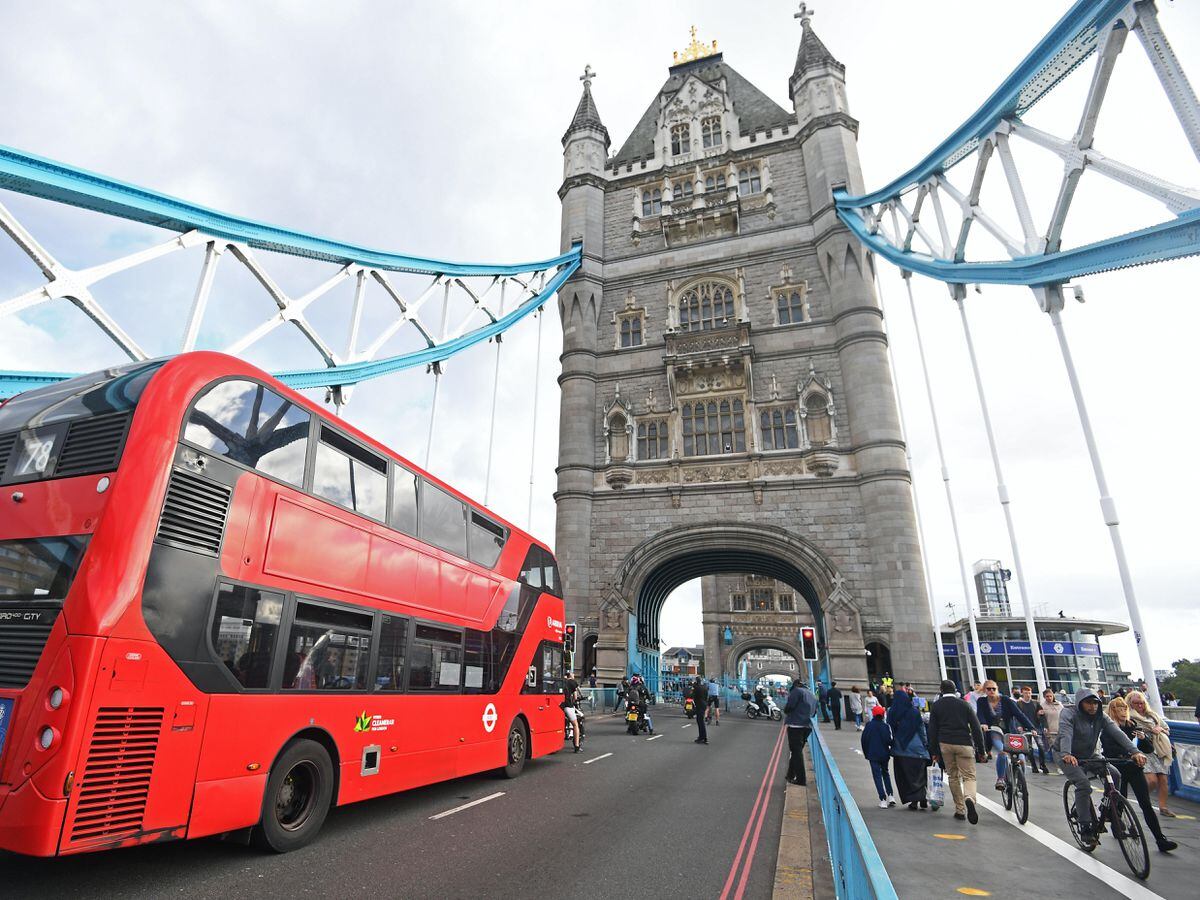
1185, 770
858, 872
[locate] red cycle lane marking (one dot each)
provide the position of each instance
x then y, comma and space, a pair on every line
762, 814
737, 860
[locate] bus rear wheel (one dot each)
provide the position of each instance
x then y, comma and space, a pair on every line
299, 793
518, 749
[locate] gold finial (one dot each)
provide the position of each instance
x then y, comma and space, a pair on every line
694, 50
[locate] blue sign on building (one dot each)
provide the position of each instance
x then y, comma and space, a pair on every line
950, 649
1087, 649
1019, 648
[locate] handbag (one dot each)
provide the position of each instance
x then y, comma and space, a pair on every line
937, 787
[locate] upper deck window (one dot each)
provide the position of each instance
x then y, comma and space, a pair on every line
443, 520
350, 475
99, 393
541, 571
39, 568
252, 425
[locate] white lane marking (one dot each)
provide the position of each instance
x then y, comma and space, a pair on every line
655, 738
451, 812
1127, 887
686, 725
588, 762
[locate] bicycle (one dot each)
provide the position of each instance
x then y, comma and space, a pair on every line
1117, 812
1016, 790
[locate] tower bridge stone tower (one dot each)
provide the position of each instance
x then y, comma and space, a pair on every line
727, 405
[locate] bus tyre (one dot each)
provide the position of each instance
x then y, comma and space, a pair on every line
297, 799
517, 749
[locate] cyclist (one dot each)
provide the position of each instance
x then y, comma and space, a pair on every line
714, 701
999, 714
1079, 730
570, 707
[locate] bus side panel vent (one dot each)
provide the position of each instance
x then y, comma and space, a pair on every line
111, 796
194, 514
21, 646
92, 445
7, 442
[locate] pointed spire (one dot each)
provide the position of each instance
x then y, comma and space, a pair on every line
586, 114
813, 52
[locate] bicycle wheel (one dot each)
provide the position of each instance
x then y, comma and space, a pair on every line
1073, 819
1007, 793
1020, 794
1128, 832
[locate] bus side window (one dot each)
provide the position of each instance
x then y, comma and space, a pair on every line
244, 628
251, 425
552, 668
436, 659
443, 520
404, 500
328, 649
486, 540
393, 639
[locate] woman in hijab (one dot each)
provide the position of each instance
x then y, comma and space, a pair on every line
910, 750
1158, 762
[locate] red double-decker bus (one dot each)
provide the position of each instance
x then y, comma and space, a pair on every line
223, 611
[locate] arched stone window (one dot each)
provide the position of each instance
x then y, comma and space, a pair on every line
789, 304
631, 331
817, 422
749, 180
739, 602
647, 204
778, 426
618, 438
681, 138
710, 132
786, 603
706, 305
713, 427
653, 439
714, 184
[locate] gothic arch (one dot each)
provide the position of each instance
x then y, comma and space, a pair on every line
679, 296
762, 642
659, 564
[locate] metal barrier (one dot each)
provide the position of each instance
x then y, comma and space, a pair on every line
1185, 769
858, 872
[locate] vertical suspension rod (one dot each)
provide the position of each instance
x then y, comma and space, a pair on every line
537, 373
959, 291
437, 375
487, 479
1053, 304
981, 673
937, 633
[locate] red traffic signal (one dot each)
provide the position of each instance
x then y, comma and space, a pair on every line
569, 637
808, 643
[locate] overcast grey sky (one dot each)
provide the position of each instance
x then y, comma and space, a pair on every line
433, 129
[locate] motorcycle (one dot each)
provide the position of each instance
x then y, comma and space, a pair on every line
570, 738
689, 707
637, 721
769, 709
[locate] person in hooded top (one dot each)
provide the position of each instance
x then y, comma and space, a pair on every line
877, 744
1080, 728
910, 750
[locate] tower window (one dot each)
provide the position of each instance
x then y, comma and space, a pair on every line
618, 439
749, 181
713, 427
706, 305
682, 191
651, 203
762, 600
631, 330
653, 439
718, 183
739, 602
710, 132
786, 603
779, 428
789, 304
681, 139
817, 422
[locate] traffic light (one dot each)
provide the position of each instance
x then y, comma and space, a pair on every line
569, 638
808, 643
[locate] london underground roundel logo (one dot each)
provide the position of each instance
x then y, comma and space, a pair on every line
985, 648
489, 717
1058, 648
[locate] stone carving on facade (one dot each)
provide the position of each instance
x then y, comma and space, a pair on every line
712, 473
653, 476
784, 468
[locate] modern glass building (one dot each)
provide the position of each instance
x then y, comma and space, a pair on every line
1070, 651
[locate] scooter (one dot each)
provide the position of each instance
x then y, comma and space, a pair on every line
637, 721
769, 709
689, 707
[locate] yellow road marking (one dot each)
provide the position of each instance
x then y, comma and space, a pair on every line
951, 837
974, 892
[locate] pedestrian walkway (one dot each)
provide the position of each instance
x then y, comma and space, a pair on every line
931, 855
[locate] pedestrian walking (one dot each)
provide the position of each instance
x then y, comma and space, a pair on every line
1132, 775
1051, 709
592, 679
870, 701
910, 750
799, 709
1158, 759
699, 702
876, 744
714, 701
956, 741
856, 707
835, 705
622, 692
823, 698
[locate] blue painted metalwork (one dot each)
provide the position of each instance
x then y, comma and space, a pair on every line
38, 177
1184, 779
1064, 47
858, 870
